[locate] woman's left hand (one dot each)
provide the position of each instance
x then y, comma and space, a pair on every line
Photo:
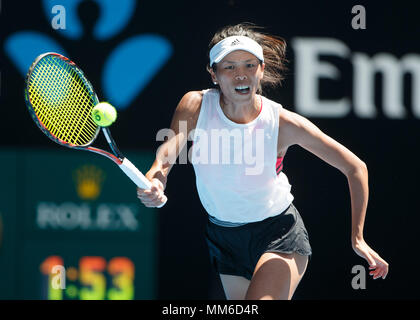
378, 267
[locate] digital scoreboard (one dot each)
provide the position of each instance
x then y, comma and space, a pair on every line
77, 228
94, 278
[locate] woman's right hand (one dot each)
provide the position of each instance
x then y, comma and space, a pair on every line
154, 197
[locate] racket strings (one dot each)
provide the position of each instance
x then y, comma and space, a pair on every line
62, 100
74, 119
61, 126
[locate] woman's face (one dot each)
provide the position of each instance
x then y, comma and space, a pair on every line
238, 75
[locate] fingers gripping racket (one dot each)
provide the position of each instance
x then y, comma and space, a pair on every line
60, 100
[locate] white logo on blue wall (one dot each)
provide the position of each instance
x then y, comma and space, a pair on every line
127, 69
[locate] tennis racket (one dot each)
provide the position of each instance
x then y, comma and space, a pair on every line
60, 100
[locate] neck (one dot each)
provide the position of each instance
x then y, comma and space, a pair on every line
241, 111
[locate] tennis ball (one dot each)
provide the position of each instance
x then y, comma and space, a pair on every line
104, 114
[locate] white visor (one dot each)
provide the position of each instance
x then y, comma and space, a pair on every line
229, 44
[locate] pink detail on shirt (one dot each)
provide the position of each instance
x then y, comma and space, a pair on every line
279, 165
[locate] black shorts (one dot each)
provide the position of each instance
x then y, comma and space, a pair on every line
236, 250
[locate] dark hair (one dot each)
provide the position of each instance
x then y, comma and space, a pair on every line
274, 49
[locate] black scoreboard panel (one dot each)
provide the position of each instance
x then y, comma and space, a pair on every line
77, 229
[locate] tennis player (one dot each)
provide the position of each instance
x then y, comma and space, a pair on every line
257, 240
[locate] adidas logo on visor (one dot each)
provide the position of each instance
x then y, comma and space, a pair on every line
235, 42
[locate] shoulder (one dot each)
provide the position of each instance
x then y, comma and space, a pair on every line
289, 119
188, 109
294, 128
191, 101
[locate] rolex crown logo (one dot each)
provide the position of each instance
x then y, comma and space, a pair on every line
88, 180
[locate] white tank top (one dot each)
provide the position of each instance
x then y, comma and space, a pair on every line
235, 164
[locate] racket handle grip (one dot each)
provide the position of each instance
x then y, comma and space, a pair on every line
136, 176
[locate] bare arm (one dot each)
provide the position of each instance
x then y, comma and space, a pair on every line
295, 129
183, 121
